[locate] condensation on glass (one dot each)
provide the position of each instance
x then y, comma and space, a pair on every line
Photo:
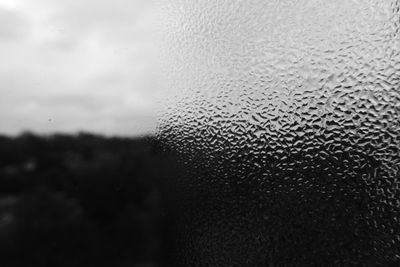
286, 116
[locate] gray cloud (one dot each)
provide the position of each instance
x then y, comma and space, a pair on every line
12, 25
76, 65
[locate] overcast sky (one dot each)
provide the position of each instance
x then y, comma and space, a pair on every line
70, 65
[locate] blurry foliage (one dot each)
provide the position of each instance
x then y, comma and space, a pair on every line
79, 200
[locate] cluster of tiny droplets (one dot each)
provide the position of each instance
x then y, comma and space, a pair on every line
287, 117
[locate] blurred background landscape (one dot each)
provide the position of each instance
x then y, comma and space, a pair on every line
80, 200
78, 174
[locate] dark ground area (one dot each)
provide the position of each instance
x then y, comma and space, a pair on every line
80, 200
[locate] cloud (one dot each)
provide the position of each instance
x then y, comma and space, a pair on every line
12, 25
87, 65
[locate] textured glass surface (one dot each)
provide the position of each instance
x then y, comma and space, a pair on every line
286, 115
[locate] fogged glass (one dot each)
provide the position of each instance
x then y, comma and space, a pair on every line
284, 117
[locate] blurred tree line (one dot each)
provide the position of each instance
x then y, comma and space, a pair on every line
80, 200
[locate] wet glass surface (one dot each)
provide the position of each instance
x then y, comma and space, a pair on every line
286, 118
